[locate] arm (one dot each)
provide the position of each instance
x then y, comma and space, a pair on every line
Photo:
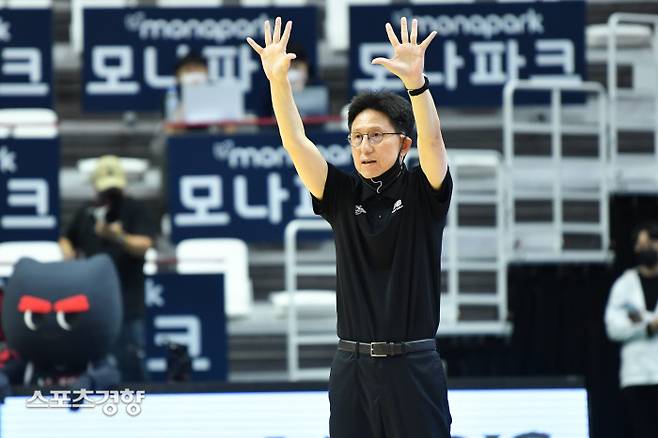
619, 324
66, 247
407, 63
309, 163
652, 328
134, 244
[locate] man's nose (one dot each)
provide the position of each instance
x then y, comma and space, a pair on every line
366, 147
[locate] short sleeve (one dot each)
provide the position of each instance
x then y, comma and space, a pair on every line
73, 230
141, 221
338, 184
438, 200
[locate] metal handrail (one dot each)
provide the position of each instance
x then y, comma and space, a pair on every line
556, 88
291, 272
613, 22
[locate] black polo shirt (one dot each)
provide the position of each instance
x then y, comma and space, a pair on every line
135, 219
388, 254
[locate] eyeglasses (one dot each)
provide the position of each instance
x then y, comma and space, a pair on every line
374, 138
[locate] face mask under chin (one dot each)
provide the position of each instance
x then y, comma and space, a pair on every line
647, 258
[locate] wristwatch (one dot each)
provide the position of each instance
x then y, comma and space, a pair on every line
422, 89
120, 238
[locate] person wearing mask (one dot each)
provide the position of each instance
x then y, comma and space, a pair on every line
117, 225
311, 94
631, 317
387, 379
190, 70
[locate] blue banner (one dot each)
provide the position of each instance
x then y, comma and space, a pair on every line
478, 47
26, 68
187, 310
29, 189
241, 186
130, 54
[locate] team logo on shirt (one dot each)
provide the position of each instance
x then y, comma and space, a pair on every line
397, 206
359, 210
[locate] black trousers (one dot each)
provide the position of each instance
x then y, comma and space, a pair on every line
393, 397
642, 409
129, 351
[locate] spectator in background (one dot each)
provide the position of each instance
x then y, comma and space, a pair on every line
311, 95
631, 318
120, 226
192, 69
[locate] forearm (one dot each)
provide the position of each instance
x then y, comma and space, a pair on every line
136, 245
428, 125
289, 121
431, 148
309, 162
65, 245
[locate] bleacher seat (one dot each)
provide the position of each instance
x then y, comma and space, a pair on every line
628, 35
25, 4
218, 255
11, 252
28, 123
131, 166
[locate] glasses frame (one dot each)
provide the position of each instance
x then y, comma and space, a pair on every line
349, 138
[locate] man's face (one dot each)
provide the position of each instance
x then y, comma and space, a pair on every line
645, 242
373, 160
298, 75
192, 74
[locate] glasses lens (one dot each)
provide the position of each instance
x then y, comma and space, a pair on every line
376, 137
355, 139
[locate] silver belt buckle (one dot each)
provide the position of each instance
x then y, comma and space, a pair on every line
372, 349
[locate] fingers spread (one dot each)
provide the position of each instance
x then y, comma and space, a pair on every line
286, 33
391, 35
254, 45
276, 36
414, 31
426, 42
403, 30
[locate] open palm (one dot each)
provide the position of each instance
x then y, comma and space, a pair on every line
275, 60
408, 59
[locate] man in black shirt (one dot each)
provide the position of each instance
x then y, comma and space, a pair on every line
119, 226
386, 377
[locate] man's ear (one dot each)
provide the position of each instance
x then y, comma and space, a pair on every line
404, 148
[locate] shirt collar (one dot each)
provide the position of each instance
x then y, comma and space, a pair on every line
386, 185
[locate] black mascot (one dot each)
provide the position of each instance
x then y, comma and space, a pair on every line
60, 321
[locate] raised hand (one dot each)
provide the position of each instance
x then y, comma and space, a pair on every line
273, 56
408, 59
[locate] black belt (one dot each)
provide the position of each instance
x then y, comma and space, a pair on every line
385, 349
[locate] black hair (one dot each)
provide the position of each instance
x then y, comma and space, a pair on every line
395, 107
302, 56
299, 50
650, 227
192, 58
